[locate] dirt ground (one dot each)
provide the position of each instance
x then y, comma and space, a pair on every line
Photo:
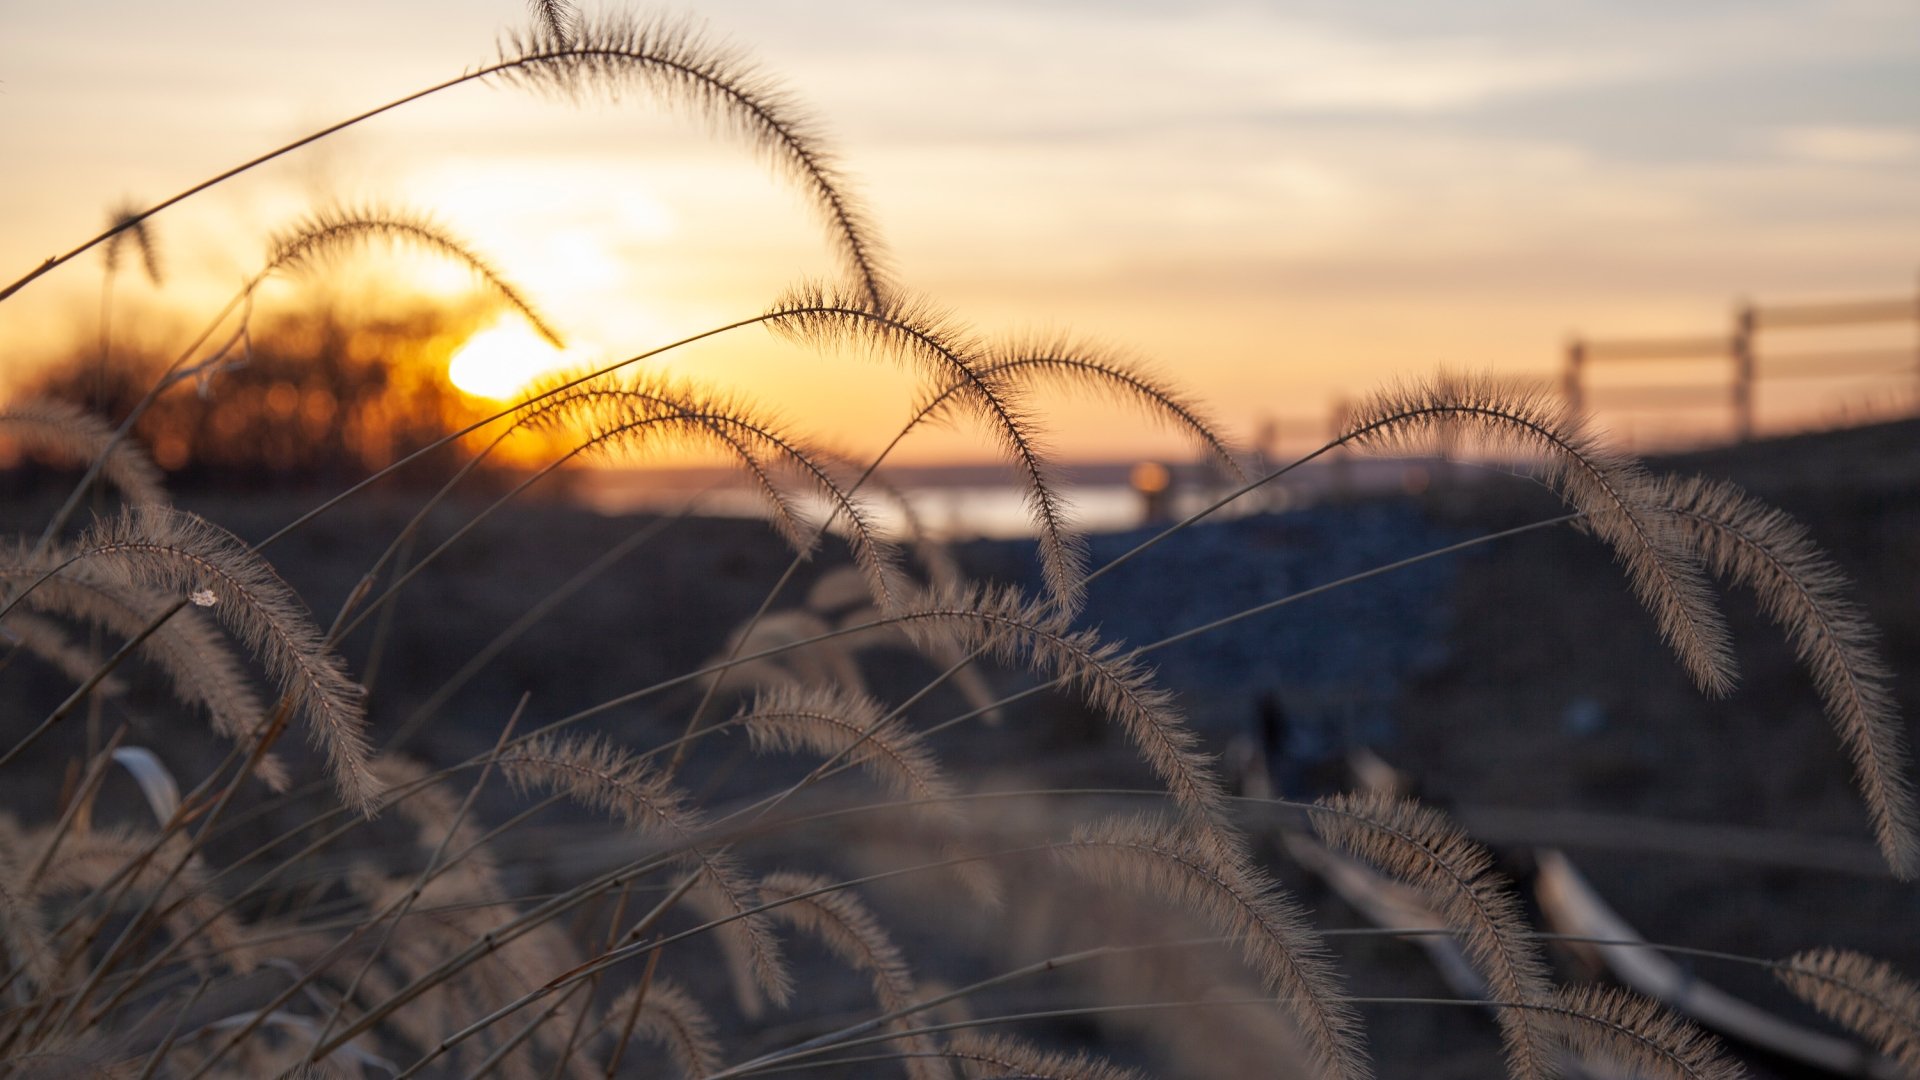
1518, 686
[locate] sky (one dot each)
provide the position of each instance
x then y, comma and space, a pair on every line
1278, 205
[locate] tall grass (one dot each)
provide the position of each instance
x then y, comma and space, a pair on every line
577, 901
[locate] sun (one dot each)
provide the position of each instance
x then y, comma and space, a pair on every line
501, 360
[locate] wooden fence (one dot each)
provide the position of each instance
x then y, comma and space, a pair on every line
1738, 354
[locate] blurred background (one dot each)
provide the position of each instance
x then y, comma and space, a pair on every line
1702, 221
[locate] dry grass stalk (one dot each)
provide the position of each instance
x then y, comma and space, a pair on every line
1455, 876
614, 53
23, 928
1748, 542
1005, 1058
803, 655
669, 1017
71, 434
138, 863
446, 920
1866, 995
435, 812
845, 925
72, 1059
927, 338
1003, 623
1614, 1025
44, 638
199, 663
602, 776
1208, 872
333, 232
556, 18
1611, 489
1078, 366
839, 724
639, 413
127, 226
182, 554
455, 956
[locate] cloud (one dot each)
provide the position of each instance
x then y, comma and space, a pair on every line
1841, 144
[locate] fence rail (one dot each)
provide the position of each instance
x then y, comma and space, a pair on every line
1739, 351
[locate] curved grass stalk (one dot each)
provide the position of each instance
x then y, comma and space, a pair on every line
200, 666
1610, 489
330, 232
1805, 594
1210, 873
608, 409
601, 776
1002, 623
820, 317
1866, 995
839, 724
851, 932
672, 1018
65, 430
626, 952
183, 554
1619, 1026
1099, 371
1419, 846
608, 55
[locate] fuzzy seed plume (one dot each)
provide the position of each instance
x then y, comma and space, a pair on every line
1037, 637
600, 775
1614, 1025
848, 928
333, 232
23, 928
837, 723
1609, 488
554, 18
44, 639
87, 861
911, 330
65, 431
643, 412
197, 660
834, 594
1750, 543
1094, 370
669, 1017
614, 53
409, 789
1208, 873
1003, 1057
798, 660
130, 226
1865, 995
1455, 876
177, 553
69, 1059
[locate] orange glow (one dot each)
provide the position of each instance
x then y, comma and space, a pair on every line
499, 361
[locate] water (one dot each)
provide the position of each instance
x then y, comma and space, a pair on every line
965, 501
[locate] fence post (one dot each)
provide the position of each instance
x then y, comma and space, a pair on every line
1742, 348
1571, 386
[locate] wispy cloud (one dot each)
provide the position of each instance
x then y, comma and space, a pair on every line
1843, 144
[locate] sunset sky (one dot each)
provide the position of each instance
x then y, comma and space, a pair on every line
1276, 203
